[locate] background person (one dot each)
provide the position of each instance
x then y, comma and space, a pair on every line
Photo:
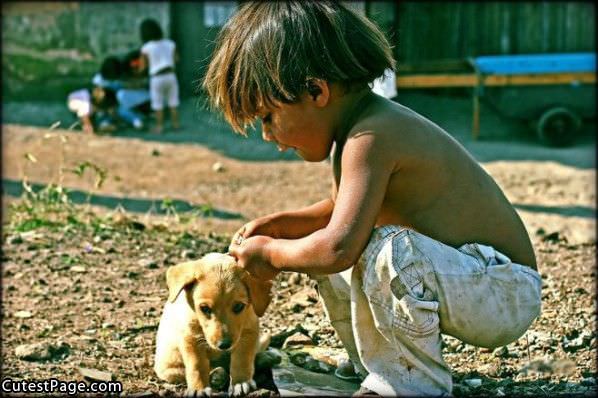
160, 56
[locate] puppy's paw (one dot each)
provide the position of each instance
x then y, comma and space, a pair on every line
206, 392
243, 388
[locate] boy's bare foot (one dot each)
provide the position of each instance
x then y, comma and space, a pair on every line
364, 392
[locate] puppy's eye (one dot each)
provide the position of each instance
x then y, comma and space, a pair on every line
207, 311
238, 307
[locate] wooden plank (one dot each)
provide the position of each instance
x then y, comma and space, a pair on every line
430, 81
470, 80
540, 79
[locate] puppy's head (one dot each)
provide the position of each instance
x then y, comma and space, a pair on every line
222, 295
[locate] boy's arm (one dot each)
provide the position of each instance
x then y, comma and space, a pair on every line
292, 224
366, 165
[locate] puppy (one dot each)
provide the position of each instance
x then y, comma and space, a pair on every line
213, 307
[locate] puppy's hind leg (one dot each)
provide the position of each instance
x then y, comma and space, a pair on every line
171, 375
169, 365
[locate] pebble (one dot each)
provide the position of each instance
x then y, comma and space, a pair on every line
41, 351
79, 269
94, 374
474, 383
298, 358
314, 365
268, 359
218, 378
588, 381
23, 314
297, 339
218, 167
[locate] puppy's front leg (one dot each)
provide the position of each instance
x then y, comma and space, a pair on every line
197, 367
242, 364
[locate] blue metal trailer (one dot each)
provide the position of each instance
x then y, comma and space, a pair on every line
553, 91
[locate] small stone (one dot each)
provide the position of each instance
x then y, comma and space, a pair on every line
297, 339
218, 167
23, 314
218, 378
299, 358
79, 269
148, 263
346, 371
314, 365
473, 383
41, 351
588, 381
267, 359
96, 375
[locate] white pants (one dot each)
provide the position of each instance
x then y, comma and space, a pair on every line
390, 308
164, 88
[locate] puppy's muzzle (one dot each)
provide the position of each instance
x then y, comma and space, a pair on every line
225, 344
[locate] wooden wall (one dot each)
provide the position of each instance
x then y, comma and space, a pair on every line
432, 31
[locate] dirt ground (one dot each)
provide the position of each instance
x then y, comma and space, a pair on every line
100, 288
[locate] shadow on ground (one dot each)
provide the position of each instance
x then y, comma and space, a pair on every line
501, 138
135, 205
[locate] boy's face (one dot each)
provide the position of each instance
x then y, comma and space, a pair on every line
300, 126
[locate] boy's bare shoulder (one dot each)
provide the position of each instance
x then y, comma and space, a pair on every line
397, 127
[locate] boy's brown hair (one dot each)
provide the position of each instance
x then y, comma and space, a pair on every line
268, 51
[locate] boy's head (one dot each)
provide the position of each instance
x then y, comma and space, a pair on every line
150, 30
111, 68
271, 53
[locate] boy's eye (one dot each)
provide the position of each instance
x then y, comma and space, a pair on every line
238, 307
267, 118
207, 311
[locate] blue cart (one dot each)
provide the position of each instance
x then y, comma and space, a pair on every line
554, 92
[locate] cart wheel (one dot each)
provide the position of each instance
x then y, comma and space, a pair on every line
558, 126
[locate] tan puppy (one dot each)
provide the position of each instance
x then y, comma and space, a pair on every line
213, 307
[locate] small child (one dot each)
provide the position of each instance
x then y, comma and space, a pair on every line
416, 240
160, 55
94, 108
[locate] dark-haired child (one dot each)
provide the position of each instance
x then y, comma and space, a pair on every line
160, 56
416, 239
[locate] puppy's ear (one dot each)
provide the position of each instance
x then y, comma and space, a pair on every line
180, 276
259, 293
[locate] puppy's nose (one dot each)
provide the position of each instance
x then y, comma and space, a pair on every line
225, 343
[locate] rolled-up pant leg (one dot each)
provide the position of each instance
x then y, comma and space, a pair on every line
335, 291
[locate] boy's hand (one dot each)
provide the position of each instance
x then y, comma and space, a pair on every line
251, 255
259, 226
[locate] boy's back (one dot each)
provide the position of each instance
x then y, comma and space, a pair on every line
436, 187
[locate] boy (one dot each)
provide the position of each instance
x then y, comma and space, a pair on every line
416, 239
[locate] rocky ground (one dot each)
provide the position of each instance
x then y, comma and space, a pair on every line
83, 286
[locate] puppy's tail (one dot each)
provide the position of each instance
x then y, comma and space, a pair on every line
264, 341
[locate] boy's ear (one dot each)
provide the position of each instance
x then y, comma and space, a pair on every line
318, 91
259, 293
180, 276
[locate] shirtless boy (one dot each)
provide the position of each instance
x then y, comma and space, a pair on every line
416, 239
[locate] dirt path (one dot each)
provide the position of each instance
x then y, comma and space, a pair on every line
54, 272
